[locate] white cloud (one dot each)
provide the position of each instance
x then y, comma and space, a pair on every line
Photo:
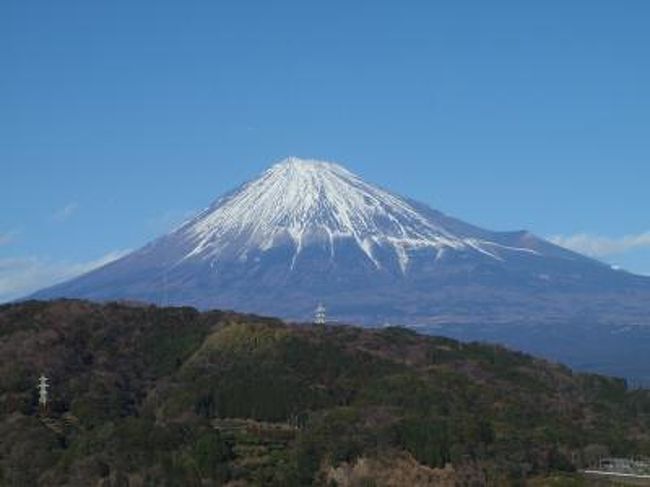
20, 276
66, 212
601, 246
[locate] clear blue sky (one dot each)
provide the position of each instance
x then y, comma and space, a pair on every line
119, 118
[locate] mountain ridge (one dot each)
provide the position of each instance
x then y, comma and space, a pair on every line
272, 256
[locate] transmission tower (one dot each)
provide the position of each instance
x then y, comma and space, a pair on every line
42, 391
319, 315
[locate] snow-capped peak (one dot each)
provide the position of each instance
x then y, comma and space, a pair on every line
307, 165
305, 200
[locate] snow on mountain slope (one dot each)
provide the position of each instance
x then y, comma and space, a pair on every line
301, 199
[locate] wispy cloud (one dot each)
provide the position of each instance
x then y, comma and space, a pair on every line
63, 214
602, 246
20, 276
7, 238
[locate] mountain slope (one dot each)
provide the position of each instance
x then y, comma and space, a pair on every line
142, 395
308, 231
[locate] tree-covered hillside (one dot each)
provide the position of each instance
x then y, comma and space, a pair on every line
142, 395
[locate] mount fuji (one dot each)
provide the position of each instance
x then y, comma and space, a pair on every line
307, 231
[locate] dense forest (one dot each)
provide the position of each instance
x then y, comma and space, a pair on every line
141, 395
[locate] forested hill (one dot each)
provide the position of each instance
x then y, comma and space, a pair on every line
142, 395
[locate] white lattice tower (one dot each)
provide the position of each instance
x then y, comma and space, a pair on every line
42, 390
319, 316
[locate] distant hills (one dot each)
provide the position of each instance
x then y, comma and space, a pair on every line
142, 395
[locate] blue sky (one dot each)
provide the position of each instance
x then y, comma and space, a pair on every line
118, 119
